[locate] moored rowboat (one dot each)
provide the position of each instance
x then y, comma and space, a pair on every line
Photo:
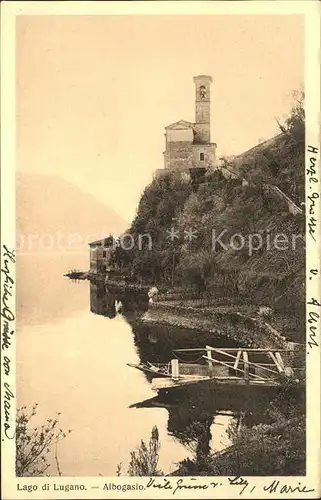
156, 369
230, 366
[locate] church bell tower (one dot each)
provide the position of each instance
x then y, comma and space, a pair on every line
202, 109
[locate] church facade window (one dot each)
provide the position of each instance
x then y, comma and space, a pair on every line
202, 156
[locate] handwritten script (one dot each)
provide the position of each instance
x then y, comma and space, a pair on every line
313, 194
239, 483
191, 484
7, 332
313, 222
314, 308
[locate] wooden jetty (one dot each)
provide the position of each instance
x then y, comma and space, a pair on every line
234, 367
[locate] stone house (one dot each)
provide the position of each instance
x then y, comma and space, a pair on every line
100, 255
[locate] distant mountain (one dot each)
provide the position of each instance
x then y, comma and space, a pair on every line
55, 215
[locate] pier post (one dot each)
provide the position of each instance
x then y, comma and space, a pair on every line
175, 369
246, 366
293, 354
210, 362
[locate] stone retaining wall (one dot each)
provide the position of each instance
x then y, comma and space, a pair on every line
248, 331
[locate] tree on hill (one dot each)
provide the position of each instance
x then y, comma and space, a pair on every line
294, 124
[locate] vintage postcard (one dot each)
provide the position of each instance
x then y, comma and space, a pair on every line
160, 250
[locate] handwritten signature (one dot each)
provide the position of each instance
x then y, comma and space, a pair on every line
240, 481
277, 487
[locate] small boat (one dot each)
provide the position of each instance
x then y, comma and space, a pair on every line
188, 372
231, 366
155, 369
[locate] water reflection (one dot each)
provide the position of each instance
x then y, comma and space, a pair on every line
108, 301
75, 363
191, 418
155, 343
215, 409
200, 414
72, 351
101, 302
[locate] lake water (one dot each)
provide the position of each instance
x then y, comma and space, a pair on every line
71, 358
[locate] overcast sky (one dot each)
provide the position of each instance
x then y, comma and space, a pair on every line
94, 93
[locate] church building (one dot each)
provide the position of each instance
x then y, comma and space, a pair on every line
188, 145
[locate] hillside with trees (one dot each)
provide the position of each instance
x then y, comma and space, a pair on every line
196, 261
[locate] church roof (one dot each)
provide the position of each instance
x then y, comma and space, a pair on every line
181, 124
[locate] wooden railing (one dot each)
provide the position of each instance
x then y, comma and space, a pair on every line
238, 363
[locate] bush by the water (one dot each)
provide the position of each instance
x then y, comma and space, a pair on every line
144, 460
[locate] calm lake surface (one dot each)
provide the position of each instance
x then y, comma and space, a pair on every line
71, 358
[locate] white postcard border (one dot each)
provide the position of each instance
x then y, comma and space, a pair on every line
94, 486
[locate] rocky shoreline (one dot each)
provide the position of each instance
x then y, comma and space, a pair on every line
243, 325
246, 330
